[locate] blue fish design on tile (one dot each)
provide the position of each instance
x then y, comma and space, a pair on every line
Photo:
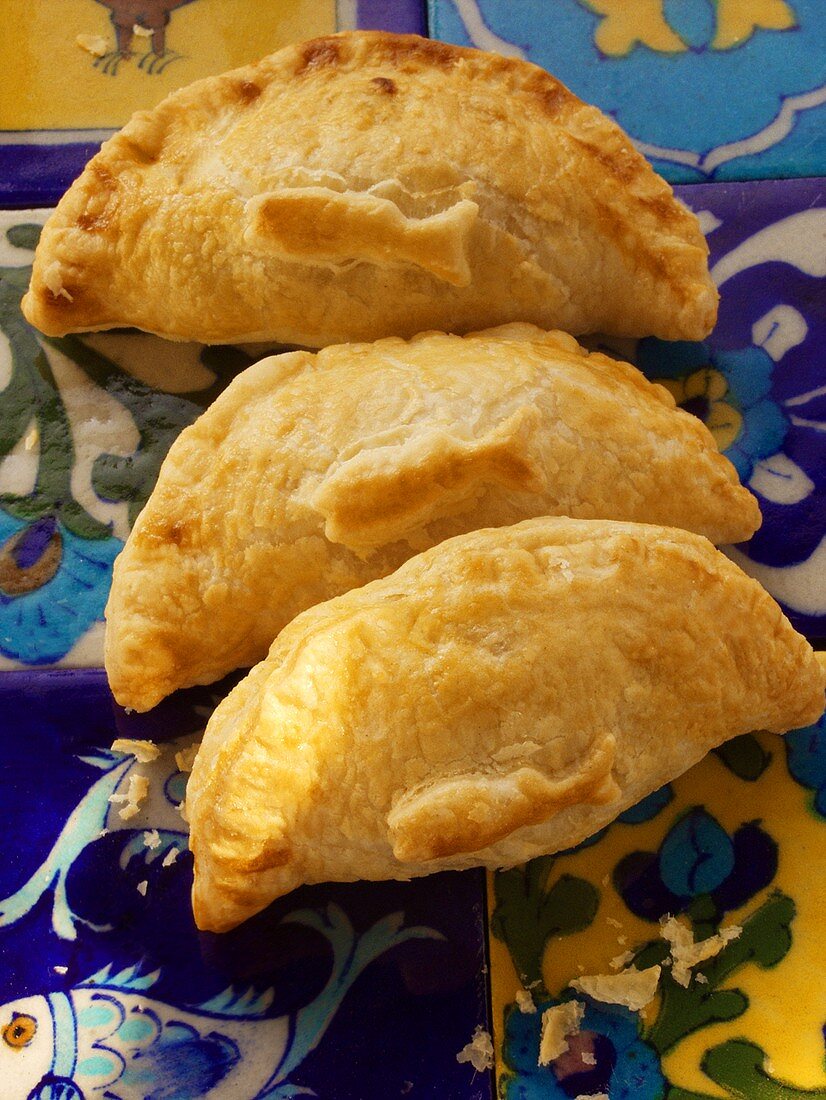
152, 835
108, 1037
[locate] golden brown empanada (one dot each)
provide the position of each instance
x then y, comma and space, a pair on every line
313, 474
368, 185
504, 694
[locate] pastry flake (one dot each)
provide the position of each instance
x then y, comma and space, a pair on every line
364, 185
479, 707
313, 474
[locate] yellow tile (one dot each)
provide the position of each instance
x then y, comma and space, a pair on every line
785, 1002
58, 85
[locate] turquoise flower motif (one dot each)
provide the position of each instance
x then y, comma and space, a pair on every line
607, 1055
698, 868
729, 390
806, 752
53, 586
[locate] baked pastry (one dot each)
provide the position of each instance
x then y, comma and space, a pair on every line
365, 185
504, 694
312, 474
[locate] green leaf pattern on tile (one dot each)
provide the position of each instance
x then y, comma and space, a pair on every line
56, 544
528, 913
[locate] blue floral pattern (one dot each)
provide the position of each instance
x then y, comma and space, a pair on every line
806, 751
697, 864
746, 375
692, 52
617, 1060
53, 586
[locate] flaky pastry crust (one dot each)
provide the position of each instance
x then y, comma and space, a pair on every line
313, 474
370, 184
502, 695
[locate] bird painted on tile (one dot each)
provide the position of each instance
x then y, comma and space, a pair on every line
108, 1036
150, 15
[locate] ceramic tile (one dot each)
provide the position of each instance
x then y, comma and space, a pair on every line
735, 843
79, 68
729, 89
759, 380
358, 992
84, 428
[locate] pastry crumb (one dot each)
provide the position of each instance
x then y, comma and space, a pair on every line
558, 1022
152, 839
593, 1096
525, 1001
54, 282
632, 988
143, 751
135, 793
479, 1051
141, 32
619, 962
60, 969
185, 758
588, 1058
95, 44
614, 922
170, 857
685, 953
141, 888
32, 439
182, 811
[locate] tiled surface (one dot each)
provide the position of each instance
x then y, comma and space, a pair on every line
362, 1008
709, 89
78, 68
759, 380
335, 992
736, 841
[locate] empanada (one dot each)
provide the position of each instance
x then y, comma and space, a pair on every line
312, 474
504, 694
367, 185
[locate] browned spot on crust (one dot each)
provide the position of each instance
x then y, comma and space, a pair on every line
409, 47
248, 91
318, 53
666, 210
273, 853
177, 533
89, 221
104, 176
384, 84
552, 96
624, 163
139, 153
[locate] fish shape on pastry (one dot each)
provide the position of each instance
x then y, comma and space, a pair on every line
504, 694
313, 474
366, 185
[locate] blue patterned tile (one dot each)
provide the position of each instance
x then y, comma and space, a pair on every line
358, 992
729, 89
759, 381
